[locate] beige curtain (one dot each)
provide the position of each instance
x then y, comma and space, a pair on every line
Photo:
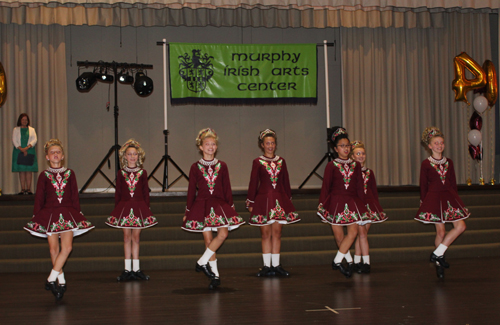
271, 17
34, 58
398, 81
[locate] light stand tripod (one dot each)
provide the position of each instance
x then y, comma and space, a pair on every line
166, 158
328, 155
114, 149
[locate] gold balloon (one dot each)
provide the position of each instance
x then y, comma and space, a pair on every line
461, 85
3, 85
491, 82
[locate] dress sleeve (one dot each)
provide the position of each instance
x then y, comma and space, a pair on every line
32, 137
286, 180
373, 185
75, 198
253, 186
118, 189
16, 140
226, 186
40, 193
327, 181
452, 178
145, 187
360, 184
191, 194
424, 182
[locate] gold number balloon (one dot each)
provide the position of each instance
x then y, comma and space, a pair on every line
491, 84
3, 85
461, 85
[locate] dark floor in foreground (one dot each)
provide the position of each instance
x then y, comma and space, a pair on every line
407, 293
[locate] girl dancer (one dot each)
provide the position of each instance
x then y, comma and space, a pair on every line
439, 200
375, 212
269, 202
342, 199
212, 208
132, 212
57, 214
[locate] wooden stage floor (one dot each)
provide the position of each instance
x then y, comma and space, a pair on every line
407, 293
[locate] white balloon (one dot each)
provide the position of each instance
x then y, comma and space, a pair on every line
475, 137
480, 104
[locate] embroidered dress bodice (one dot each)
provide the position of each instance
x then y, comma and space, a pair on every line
132, 184
437, 175
366, 178
132, 176
273, 168
441, 167
346, 168
210, 172
58, 178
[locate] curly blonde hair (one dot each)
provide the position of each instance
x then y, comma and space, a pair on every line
131, 143
355, 145
206, 133
429, 133
52, 143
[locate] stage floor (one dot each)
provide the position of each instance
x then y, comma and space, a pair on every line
407, 293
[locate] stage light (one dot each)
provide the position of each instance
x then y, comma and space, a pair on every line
143, 85
105, 77
85, 81
125, 78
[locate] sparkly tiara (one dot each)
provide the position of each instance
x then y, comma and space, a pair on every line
430, 133
338, 132
132, 142
265, 132
357, 144
205, 131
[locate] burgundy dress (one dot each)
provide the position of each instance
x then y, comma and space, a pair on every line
342, 198
212, 207
438, 193
375, 212
269, 193
131, 201
57, 205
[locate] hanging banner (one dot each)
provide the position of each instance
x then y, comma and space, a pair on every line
242, 71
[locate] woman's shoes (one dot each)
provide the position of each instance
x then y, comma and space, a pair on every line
214, 283
345, 270
126, 276
265, 271
439, 259
138, 275
56, 290
439, 271
278, 270
205, 269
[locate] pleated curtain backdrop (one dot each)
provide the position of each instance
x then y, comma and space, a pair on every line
397, 81
34, 59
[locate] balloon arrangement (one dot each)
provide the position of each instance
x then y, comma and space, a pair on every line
485, 81
3, 86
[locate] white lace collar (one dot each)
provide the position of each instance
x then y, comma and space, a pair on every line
57, 170
276, 158
208, 163
342, 161
131, 170
437, 162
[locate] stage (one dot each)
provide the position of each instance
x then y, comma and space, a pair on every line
402, 293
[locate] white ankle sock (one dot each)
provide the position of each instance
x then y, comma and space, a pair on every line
338, 258
213, 267
128, 265
267, 259
357, 259
61, 279
275, 259
366, 259
348, 257
53, 276
440, 250
135, 265
205, 257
